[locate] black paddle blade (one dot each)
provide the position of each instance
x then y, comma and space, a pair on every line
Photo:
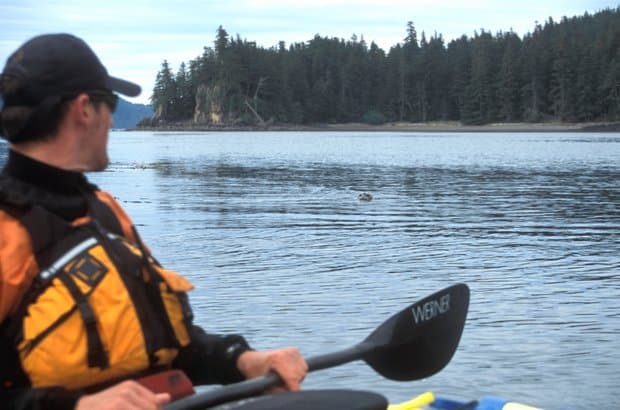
420, 340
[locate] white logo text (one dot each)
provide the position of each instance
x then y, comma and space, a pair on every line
431, 309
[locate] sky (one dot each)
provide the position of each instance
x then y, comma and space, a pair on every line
133, 37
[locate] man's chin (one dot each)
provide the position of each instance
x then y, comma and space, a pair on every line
99, 166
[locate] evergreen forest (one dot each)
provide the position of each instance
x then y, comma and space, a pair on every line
566, 71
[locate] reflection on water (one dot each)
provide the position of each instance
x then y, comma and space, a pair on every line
269, 228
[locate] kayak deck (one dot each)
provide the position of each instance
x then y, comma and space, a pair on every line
428, 400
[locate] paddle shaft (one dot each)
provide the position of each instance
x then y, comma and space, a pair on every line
261, 384
325, 361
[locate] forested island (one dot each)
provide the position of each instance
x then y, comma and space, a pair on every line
562, 72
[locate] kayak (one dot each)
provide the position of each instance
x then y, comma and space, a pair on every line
429, 401
344, 399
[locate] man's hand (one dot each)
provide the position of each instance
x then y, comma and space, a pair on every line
126, 395
287, 363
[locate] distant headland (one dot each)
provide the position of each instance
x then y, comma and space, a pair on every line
563, 76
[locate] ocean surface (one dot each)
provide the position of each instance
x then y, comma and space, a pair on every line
269, 228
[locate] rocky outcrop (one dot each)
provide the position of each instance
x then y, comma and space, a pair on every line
209, 105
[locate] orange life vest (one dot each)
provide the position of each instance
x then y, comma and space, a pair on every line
101, 307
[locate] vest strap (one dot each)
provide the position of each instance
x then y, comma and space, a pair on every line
97, 356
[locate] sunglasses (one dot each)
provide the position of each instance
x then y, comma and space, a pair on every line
107, 97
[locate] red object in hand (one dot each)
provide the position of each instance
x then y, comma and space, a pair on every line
174, 382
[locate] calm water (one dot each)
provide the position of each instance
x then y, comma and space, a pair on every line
269, 228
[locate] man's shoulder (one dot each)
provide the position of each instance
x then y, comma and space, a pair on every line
111, 201
120, 213
14, 196
15, 241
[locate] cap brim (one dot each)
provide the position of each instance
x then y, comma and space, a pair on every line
124, 87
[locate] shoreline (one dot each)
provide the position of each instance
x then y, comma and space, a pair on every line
397, 127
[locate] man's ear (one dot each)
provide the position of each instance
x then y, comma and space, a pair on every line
80, 109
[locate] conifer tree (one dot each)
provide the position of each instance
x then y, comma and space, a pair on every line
509, 96
164, 93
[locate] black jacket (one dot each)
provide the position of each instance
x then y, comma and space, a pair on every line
208, 359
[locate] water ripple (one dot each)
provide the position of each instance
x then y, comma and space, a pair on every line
272, 233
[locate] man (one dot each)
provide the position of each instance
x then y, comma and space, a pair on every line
84, 308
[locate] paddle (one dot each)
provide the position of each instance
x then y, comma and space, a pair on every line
413, 344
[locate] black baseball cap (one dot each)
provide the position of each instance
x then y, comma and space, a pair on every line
53, 66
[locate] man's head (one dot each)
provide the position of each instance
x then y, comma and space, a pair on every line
43, 76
